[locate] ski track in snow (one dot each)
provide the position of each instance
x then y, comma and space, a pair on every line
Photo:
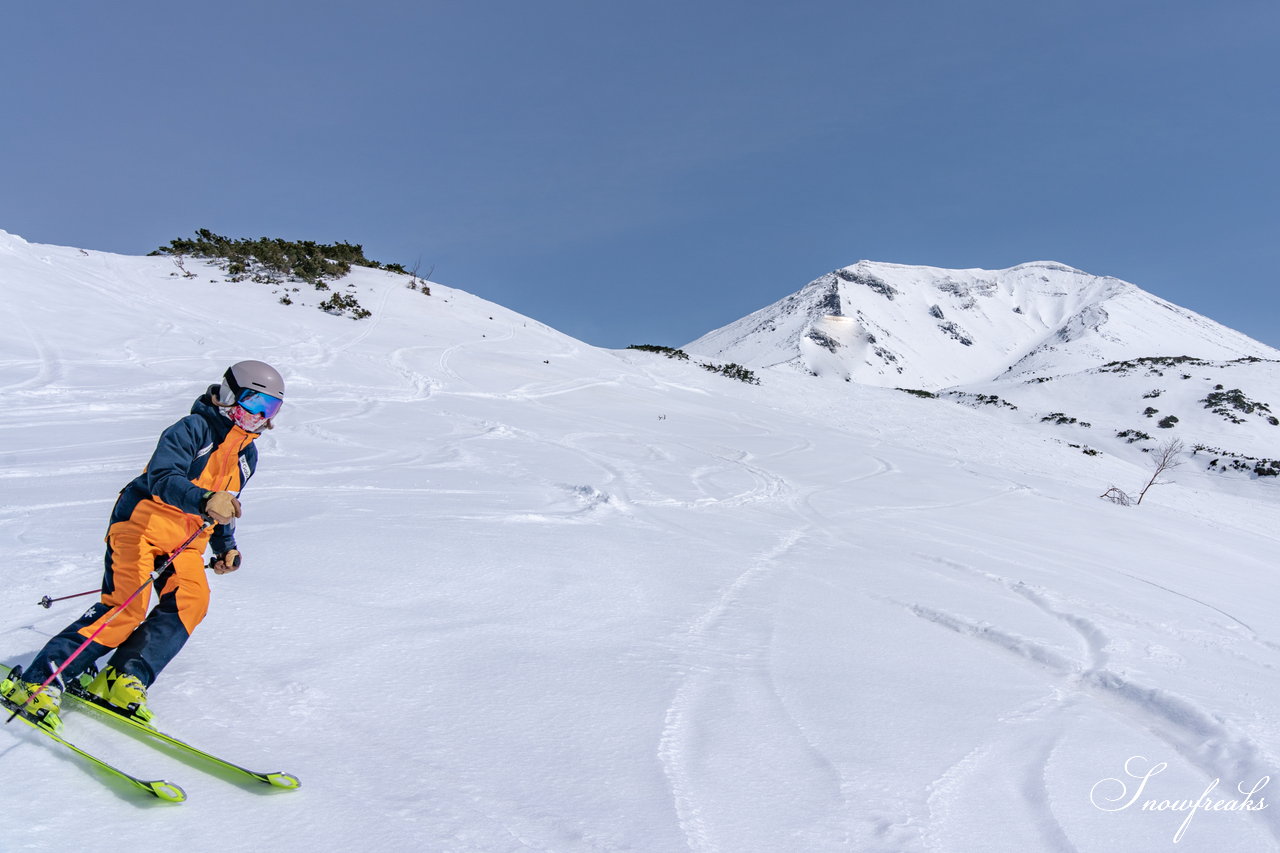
1197, 601
1030, 736
728, 717
728, 703
49, 368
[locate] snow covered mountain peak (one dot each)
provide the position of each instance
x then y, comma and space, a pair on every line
925, 327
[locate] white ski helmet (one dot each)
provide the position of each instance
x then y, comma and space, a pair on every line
253, 382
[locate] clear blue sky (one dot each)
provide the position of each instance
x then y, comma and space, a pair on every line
645, 172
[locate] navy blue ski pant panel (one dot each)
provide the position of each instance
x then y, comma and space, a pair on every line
157, 641
64, 645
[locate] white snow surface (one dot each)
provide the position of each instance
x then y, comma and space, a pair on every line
504, 591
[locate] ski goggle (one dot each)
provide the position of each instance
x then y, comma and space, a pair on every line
257, 403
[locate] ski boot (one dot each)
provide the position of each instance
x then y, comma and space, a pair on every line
41, 706
122, 693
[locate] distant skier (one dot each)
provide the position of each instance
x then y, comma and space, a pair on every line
192, 482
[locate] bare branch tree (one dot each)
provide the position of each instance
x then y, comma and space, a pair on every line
178, 262
421, 280
1164, 458
1116, 496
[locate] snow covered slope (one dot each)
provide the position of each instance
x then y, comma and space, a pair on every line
923, 327
505, 591
1096, 362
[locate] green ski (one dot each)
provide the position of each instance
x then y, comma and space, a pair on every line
82, 699
159, 788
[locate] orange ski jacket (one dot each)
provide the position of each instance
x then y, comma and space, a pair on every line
202, 453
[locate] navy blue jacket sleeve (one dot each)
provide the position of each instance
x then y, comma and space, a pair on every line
168, 471
224, 538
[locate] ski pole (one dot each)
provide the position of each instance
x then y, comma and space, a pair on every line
47, 602
150, 578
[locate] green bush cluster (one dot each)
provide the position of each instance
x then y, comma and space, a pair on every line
733, 371
971, 399
669, 352
1226, 403
266, 257
342, 303
274, 261
1259, 468
1154, 365
1062, 419
1238, 462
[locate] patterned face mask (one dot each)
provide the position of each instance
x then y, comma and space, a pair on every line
246, 420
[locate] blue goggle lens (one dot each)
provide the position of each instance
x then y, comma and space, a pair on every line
255, 402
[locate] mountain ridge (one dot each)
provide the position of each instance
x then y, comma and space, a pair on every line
928, 327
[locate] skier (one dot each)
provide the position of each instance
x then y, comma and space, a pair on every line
192, 483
